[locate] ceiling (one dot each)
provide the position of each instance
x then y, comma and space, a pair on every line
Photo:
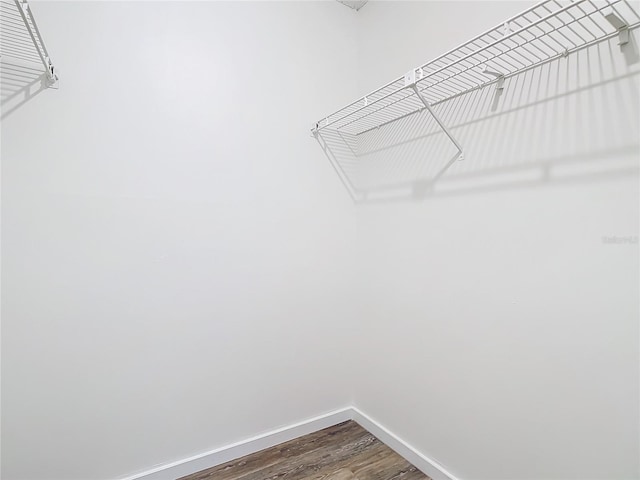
355, 4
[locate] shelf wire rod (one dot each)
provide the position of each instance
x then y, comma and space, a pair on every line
483, 61
476, 76
26, 21
468, 70
549, 60
32, 21
465, 79
484, 48
16, 15
497, 58
506, 56
447, 92
568, 26
630, 8
399, 80
390, 110
556, 29
528, 43
32, 27
471, 71
337, 166
399, 90
592, 21
389, 113
543, 41
457, 55
520, 15
540, 20
457, 80
579, 23
444, 86
510, 75
438, 121
454, 81
435, 103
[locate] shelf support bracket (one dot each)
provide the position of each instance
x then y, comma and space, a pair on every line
410, 82
38, 43
619, 24
499, 86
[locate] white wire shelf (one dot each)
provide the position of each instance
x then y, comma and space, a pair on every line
541, 34
21, 44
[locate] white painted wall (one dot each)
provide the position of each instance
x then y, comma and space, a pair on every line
177, 251
500, 334
179, 257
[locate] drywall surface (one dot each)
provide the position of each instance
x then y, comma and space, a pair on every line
501, 303
176, 249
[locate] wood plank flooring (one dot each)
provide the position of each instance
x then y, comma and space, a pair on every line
342, 452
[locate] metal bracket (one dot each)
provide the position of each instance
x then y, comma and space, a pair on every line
38, 43
619, 24
623, 36
499, 86
410, 79
52, 74
499, 76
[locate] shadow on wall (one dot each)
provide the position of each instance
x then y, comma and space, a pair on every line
18, 85
572, 119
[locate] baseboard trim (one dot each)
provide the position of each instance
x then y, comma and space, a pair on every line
427, 465
202, 461
217, 456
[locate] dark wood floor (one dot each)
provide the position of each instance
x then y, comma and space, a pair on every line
343, 452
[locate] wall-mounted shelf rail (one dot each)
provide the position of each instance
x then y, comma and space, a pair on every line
549, 30
21, 43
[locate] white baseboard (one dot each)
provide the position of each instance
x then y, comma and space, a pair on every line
209, 459
196, 463
427, 465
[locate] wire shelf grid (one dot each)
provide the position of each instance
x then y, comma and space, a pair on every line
543, 33
20, 40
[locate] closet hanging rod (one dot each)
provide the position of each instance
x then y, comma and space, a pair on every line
545, 32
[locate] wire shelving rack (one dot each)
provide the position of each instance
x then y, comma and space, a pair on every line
21, 44
550, 30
